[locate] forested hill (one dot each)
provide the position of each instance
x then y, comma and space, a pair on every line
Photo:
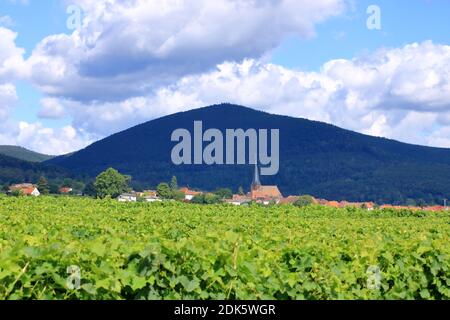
315, 158
13, 171
23, 154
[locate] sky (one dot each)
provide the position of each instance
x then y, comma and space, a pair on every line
73, 72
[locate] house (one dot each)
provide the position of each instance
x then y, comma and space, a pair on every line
65, 190
264, 194
239, 200
127, 197
370, 206
152, 198
189, 194
150, 193
26, 189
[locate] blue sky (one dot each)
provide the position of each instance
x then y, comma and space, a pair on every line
340, 36
403, 22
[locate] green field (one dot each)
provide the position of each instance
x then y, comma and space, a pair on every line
181, 251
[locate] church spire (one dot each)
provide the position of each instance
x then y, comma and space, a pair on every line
256, 182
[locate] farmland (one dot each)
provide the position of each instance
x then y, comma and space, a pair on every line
80, 248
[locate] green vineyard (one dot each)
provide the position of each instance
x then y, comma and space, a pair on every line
70, 248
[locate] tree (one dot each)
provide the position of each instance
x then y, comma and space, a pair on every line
224, 193
67, 183
111, 183
304, 201
43, 186
17, 193
211, 198
198, 199
54, 188
89, 190
163, 191
241, 191
208, 198
174, 184
78, 186
178, 195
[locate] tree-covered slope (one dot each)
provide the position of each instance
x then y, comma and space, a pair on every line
13, 170
315, 158
23, 154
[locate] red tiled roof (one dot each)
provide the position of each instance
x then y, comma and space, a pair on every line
188, 192
25, 188
65, 190
266, 192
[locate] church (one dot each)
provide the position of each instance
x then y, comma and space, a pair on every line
263, 194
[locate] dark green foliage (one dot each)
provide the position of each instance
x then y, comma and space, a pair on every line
164, 191
53, 188
14, 171
304, 201
177, 195
111, 183
174, 184
89, 190
170, 190
224, 193
206, 198
43, 186
16, 193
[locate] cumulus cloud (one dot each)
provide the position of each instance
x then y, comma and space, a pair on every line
12, 64
40, 138
400, 93
136, 60
51, 108
127, 48
32, 135
8, 97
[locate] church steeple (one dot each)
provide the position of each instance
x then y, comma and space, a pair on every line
256, 182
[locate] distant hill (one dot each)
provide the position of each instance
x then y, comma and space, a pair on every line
316, 158
13, 170
24, 154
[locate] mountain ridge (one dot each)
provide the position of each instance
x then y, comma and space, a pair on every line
22, 153
315, 158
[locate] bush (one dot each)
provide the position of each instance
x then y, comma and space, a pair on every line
208, 198
111, 183
304, 201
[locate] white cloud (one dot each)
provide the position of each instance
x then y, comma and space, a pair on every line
32, 135
129, 47
399, 93
135, 60
51, 109
40, 138
8, 97
12, 65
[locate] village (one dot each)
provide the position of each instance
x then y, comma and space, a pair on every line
260, 194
